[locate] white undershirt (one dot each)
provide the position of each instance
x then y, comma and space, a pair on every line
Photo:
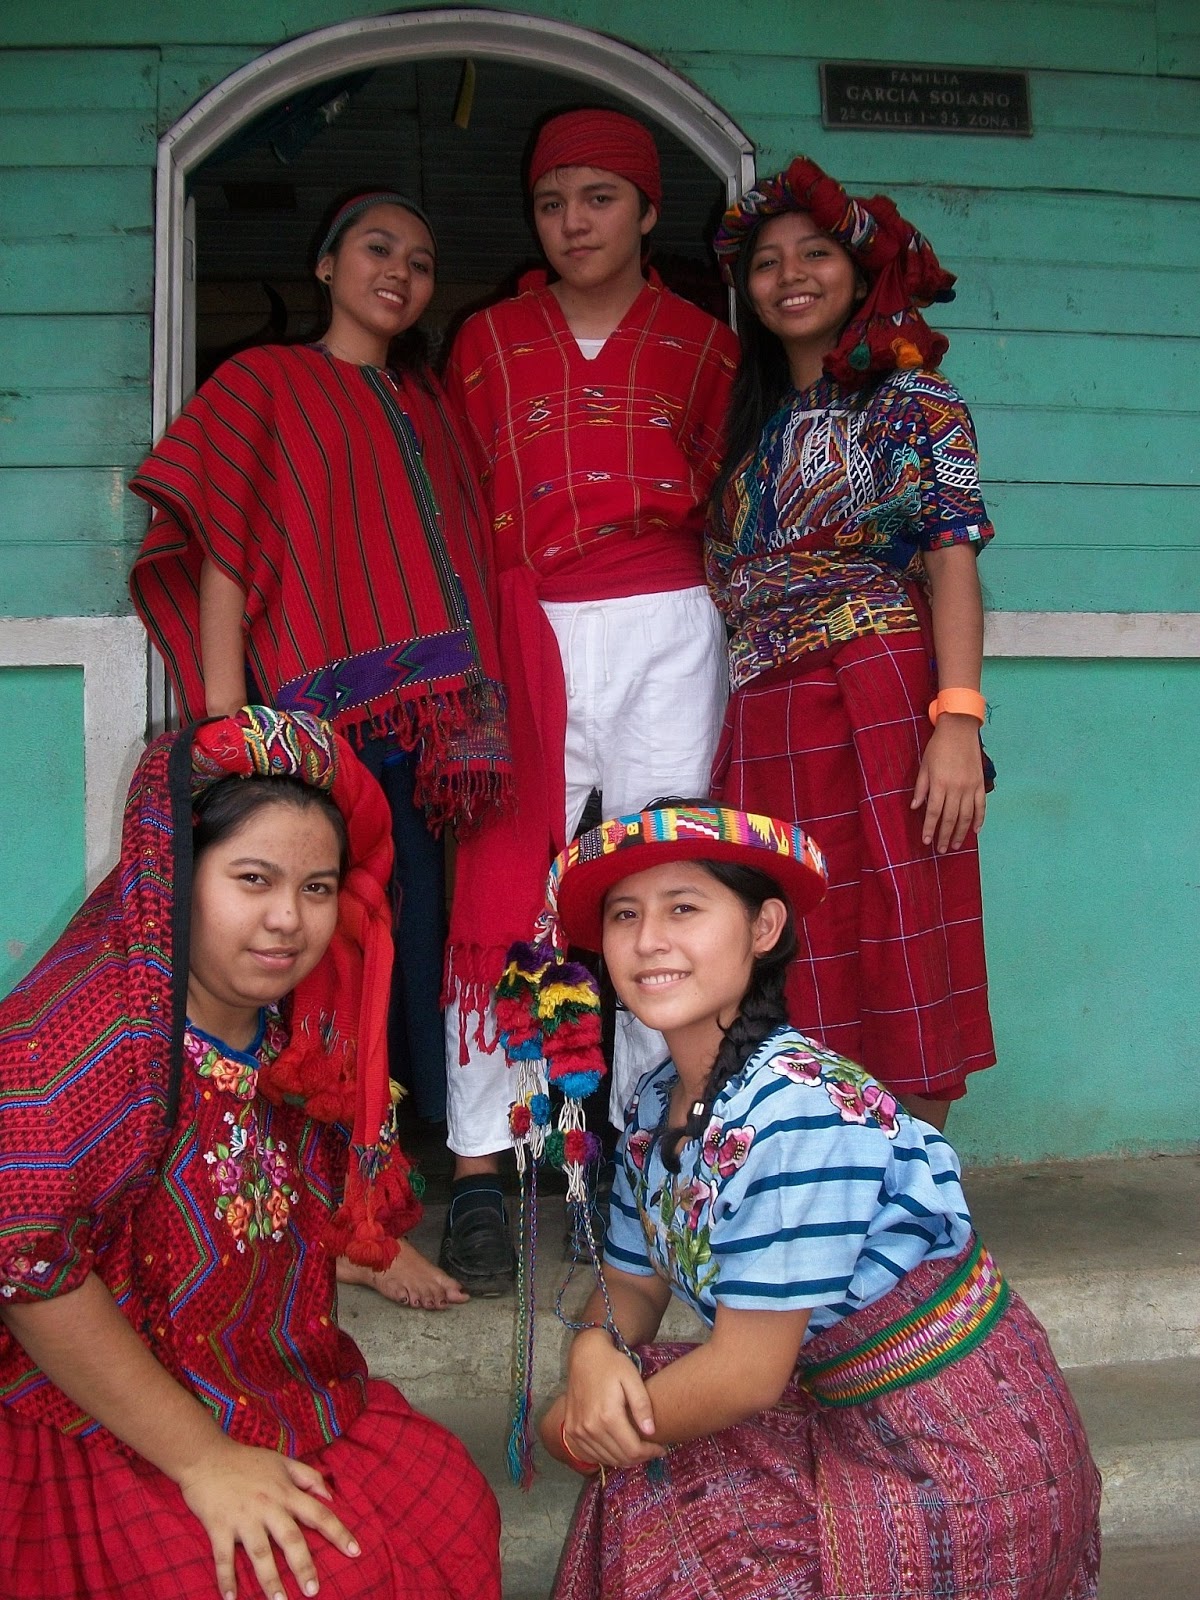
589, 349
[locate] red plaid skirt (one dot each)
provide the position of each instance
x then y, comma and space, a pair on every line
976, 1482
890, 970
79, 1521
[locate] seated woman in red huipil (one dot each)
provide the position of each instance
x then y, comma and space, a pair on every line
179, 1412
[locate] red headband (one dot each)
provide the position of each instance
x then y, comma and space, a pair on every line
605, 139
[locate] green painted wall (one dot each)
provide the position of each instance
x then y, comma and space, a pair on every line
41, 804
1091, 857
1075, 336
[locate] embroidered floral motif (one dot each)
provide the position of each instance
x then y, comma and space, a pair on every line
236, 1075
685, 1209
858, 1097
710, 1141
733, 1150
250, 1171
801, 1066
19, 1269
638, 1147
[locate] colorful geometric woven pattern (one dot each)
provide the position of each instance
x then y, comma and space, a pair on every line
261, 742
940, 1330
821, 531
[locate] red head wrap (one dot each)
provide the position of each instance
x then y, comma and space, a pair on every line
336, 1061
606, 139
886, 330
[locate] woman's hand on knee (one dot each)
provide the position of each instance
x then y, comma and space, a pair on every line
262, 1501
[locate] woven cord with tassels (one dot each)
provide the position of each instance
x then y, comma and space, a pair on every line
548, 1014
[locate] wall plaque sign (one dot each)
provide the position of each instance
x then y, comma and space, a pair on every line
917, 99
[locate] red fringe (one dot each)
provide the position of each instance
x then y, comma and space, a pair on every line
452, 787
470, 978
367, 1225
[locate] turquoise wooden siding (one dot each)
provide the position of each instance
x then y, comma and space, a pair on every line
78, 137
42, 883
1090, 852
1075, 336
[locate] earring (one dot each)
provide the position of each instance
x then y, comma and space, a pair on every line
328, 278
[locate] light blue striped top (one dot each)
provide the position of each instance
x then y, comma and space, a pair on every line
810, 1188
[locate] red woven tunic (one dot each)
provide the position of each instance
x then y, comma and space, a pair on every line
339, 499
596, 474
200, 1205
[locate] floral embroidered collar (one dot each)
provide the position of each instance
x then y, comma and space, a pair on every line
236, 1071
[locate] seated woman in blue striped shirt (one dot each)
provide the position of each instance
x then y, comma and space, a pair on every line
874, 1412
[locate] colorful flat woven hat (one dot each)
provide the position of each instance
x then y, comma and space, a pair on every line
588, 868
886, 331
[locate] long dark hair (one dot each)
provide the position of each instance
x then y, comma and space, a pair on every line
221, 809
408, 351
762, 1009
763, 376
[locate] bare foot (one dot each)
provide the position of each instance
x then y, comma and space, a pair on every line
411, 1280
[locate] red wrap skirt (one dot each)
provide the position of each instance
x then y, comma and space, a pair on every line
891, 969
80, 1521
975, 1482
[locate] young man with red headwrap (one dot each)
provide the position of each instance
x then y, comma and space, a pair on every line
597, 399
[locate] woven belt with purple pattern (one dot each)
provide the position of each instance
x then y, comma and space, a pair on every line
933, 1334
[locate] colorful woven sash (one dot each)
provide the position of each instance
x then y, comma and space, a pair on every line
940, 1330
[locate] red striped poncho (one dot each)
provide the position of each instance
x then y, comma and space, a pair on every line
340, 501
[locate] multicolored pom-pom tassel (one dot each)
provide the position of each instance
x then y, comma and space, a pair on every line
548, 1014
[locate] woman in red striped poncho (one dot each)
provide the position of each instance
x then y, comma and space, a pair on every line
316, 538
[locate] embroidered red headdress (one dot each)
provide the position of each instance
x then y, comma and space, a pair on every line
886, 330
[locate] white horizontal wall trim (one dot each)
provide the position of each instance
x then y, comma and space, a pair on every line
112, 653
1096, 634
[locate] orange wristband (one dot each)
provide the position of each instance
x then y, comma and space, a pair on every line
577, 1461
961, 702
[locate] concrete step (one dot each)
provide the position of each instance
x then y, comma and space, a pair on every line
1144, 1572
1143, 1423
533, 1524
1106, 1254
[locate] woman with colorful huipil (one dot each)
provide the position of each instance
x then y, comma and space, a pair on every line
874, 1415
842, 548
196, 1120
316, 533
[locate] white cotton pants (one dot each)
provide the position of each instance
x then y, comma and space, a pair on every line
647, 682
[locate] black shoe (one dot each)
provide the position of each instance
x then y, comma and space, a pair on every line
476, 1248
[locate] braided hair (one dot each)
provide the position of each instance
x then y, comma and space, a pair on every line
762, 1009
